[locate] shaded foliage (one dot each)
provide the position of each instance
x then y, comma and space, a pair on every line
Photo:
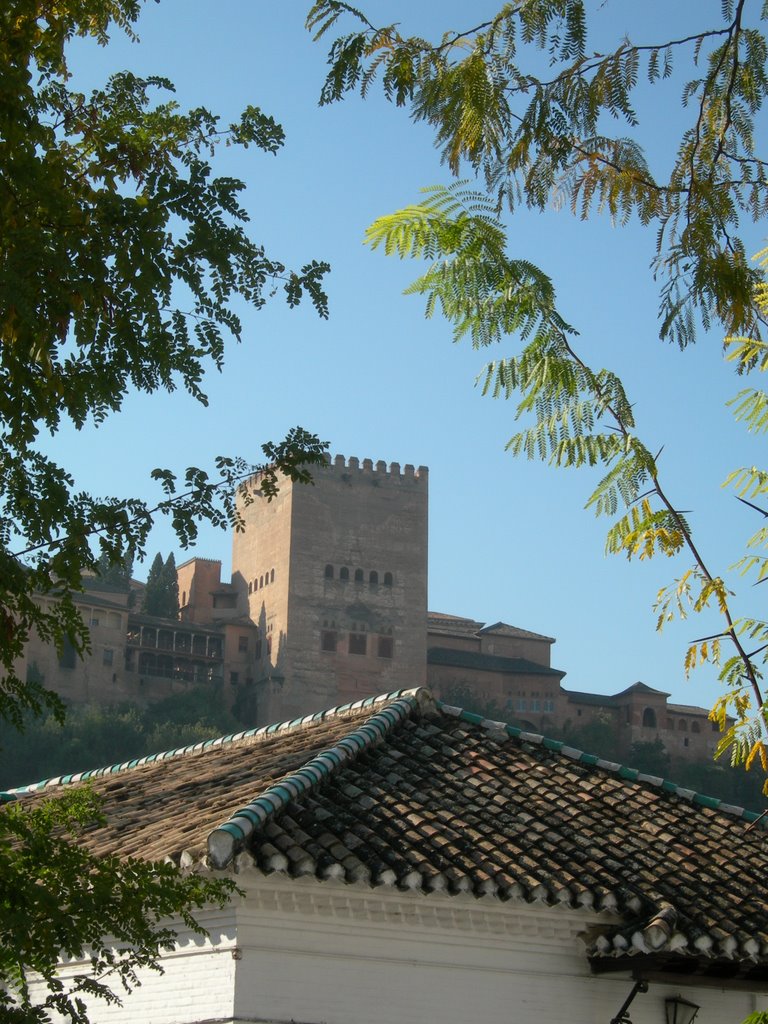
111, 923
93, 736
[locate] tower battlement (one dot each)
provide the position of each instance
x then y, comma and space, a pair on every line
380, 469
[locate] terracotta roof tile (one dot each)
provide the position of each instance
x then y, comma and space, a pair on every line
403, 791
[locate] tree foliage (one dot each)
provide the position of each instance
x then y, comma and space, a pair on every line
94, 736
161, 594
121, 257
112, 922
524, 103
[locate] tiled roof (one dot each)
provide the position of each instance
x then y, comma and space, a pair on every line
444, 623
441, 622
504, 629
688, 709
605, 700
402, 791
489, 662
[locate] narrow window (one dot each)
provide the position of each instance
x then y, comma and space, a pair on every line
344, 573
242, 643
261, 582
682, 725
387, 579
329, 572
328, 639
272, 576
266, 579
386, 647
374, 578
250, 588
234, 678
68, 656
107, 656
358, 575
357, 643
649, 718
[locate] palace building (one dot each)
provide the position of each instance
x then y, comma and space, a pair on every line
327, 604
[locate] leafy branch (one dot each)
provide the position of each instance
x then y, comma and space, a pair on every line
582, 417
538, 139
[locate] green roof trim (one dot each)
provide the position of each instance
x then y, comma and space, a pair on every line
227, 839
623, 771
192, 748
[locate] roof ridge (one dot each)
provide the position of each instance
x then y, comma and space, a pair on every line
624, 772
225, 840
259, 733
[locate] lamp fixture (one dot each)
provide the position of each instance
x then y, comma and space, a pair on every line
679, 1010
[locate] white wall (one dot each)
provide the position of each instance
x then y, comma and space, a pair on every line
309, 952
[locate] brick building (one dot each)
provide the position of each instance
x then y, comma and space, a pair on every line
327, 603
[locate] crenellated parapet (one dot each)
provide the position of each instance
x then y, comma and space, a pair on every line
350, 466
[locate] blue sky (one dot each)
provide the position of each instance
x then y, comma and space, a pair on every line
509, 539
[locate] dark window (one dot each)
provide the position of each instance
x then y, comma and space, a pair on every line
329, 572
374, 578
257, 651
269, 645
261, 582
107, 656
386, 647
343, 573
272, 576
695, 727
357, 643
328, 639
234, 678
387, 579
682, 725
68, 655
250, 588
685, 742
266, 579
242, 643
578, 713
649, 718
358, 575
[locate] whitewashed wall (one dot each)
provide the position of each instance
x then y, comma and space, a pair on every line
308, 952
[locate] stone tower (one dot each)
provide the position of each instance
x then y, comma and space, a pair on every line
335, 576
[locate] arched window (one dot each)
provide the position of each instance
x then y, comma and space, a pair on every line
272, 576
250, 588
374, 578
695, 727
682, 725
343, 573
329, 572
261, 582
649, 719
387, 579
266, 579
358, 575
